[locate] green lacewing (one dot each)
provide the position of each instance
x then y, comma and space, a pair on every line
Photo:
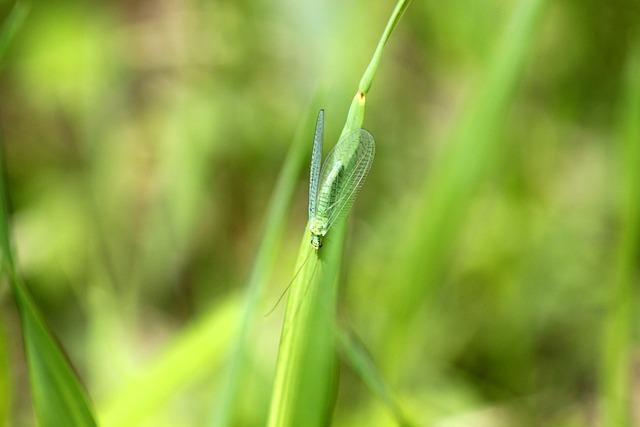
334, 187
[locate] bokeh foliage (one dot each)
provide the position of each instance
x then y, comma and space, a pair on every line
143, 141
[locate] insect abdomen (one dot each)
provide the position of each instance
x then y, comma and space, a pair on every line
329, 192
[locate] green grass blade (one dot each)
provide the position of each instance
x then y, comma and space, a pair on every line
264, 262
616, 388
355, 116
58, 397
462, 166
361, 362
306, 372
367, 78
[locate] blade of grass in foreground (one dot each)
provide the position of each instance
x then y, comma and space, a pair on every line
617, 345
306, 371
58, 397
306, 380
474, 147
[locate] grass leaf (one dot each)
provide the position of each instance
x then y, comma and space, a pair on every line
356, 355
58, 397
306, 372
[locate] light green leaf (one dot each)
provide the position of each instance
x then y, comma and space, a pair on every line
306, 373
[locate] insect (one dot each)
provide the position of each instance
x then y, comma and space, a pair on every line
334, 187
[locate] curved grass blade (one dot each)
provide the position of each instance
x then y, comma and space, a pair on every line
367, 77
58, 397
357, 356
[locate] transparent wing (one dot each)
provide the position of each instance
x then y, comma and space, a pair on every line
355, 153
316, 158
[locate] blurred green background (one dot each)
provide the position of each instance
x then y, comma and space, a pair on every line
143, 140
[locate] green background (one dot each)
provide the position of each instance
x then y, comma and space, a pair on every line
143, 140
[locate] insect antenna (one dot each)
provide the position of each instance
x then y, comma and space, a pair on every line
306, 291
284, 292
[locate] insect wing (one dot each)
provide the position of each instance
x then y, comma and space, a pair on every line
356, 151
316, 158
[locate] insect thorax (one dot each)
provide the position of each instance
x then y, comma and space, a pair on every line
318, 226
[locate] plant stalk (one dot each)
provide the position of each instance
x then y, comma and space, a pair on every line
306, 373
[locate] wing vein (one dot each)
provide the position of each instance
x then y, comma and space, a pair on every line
316, 159
350, 185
